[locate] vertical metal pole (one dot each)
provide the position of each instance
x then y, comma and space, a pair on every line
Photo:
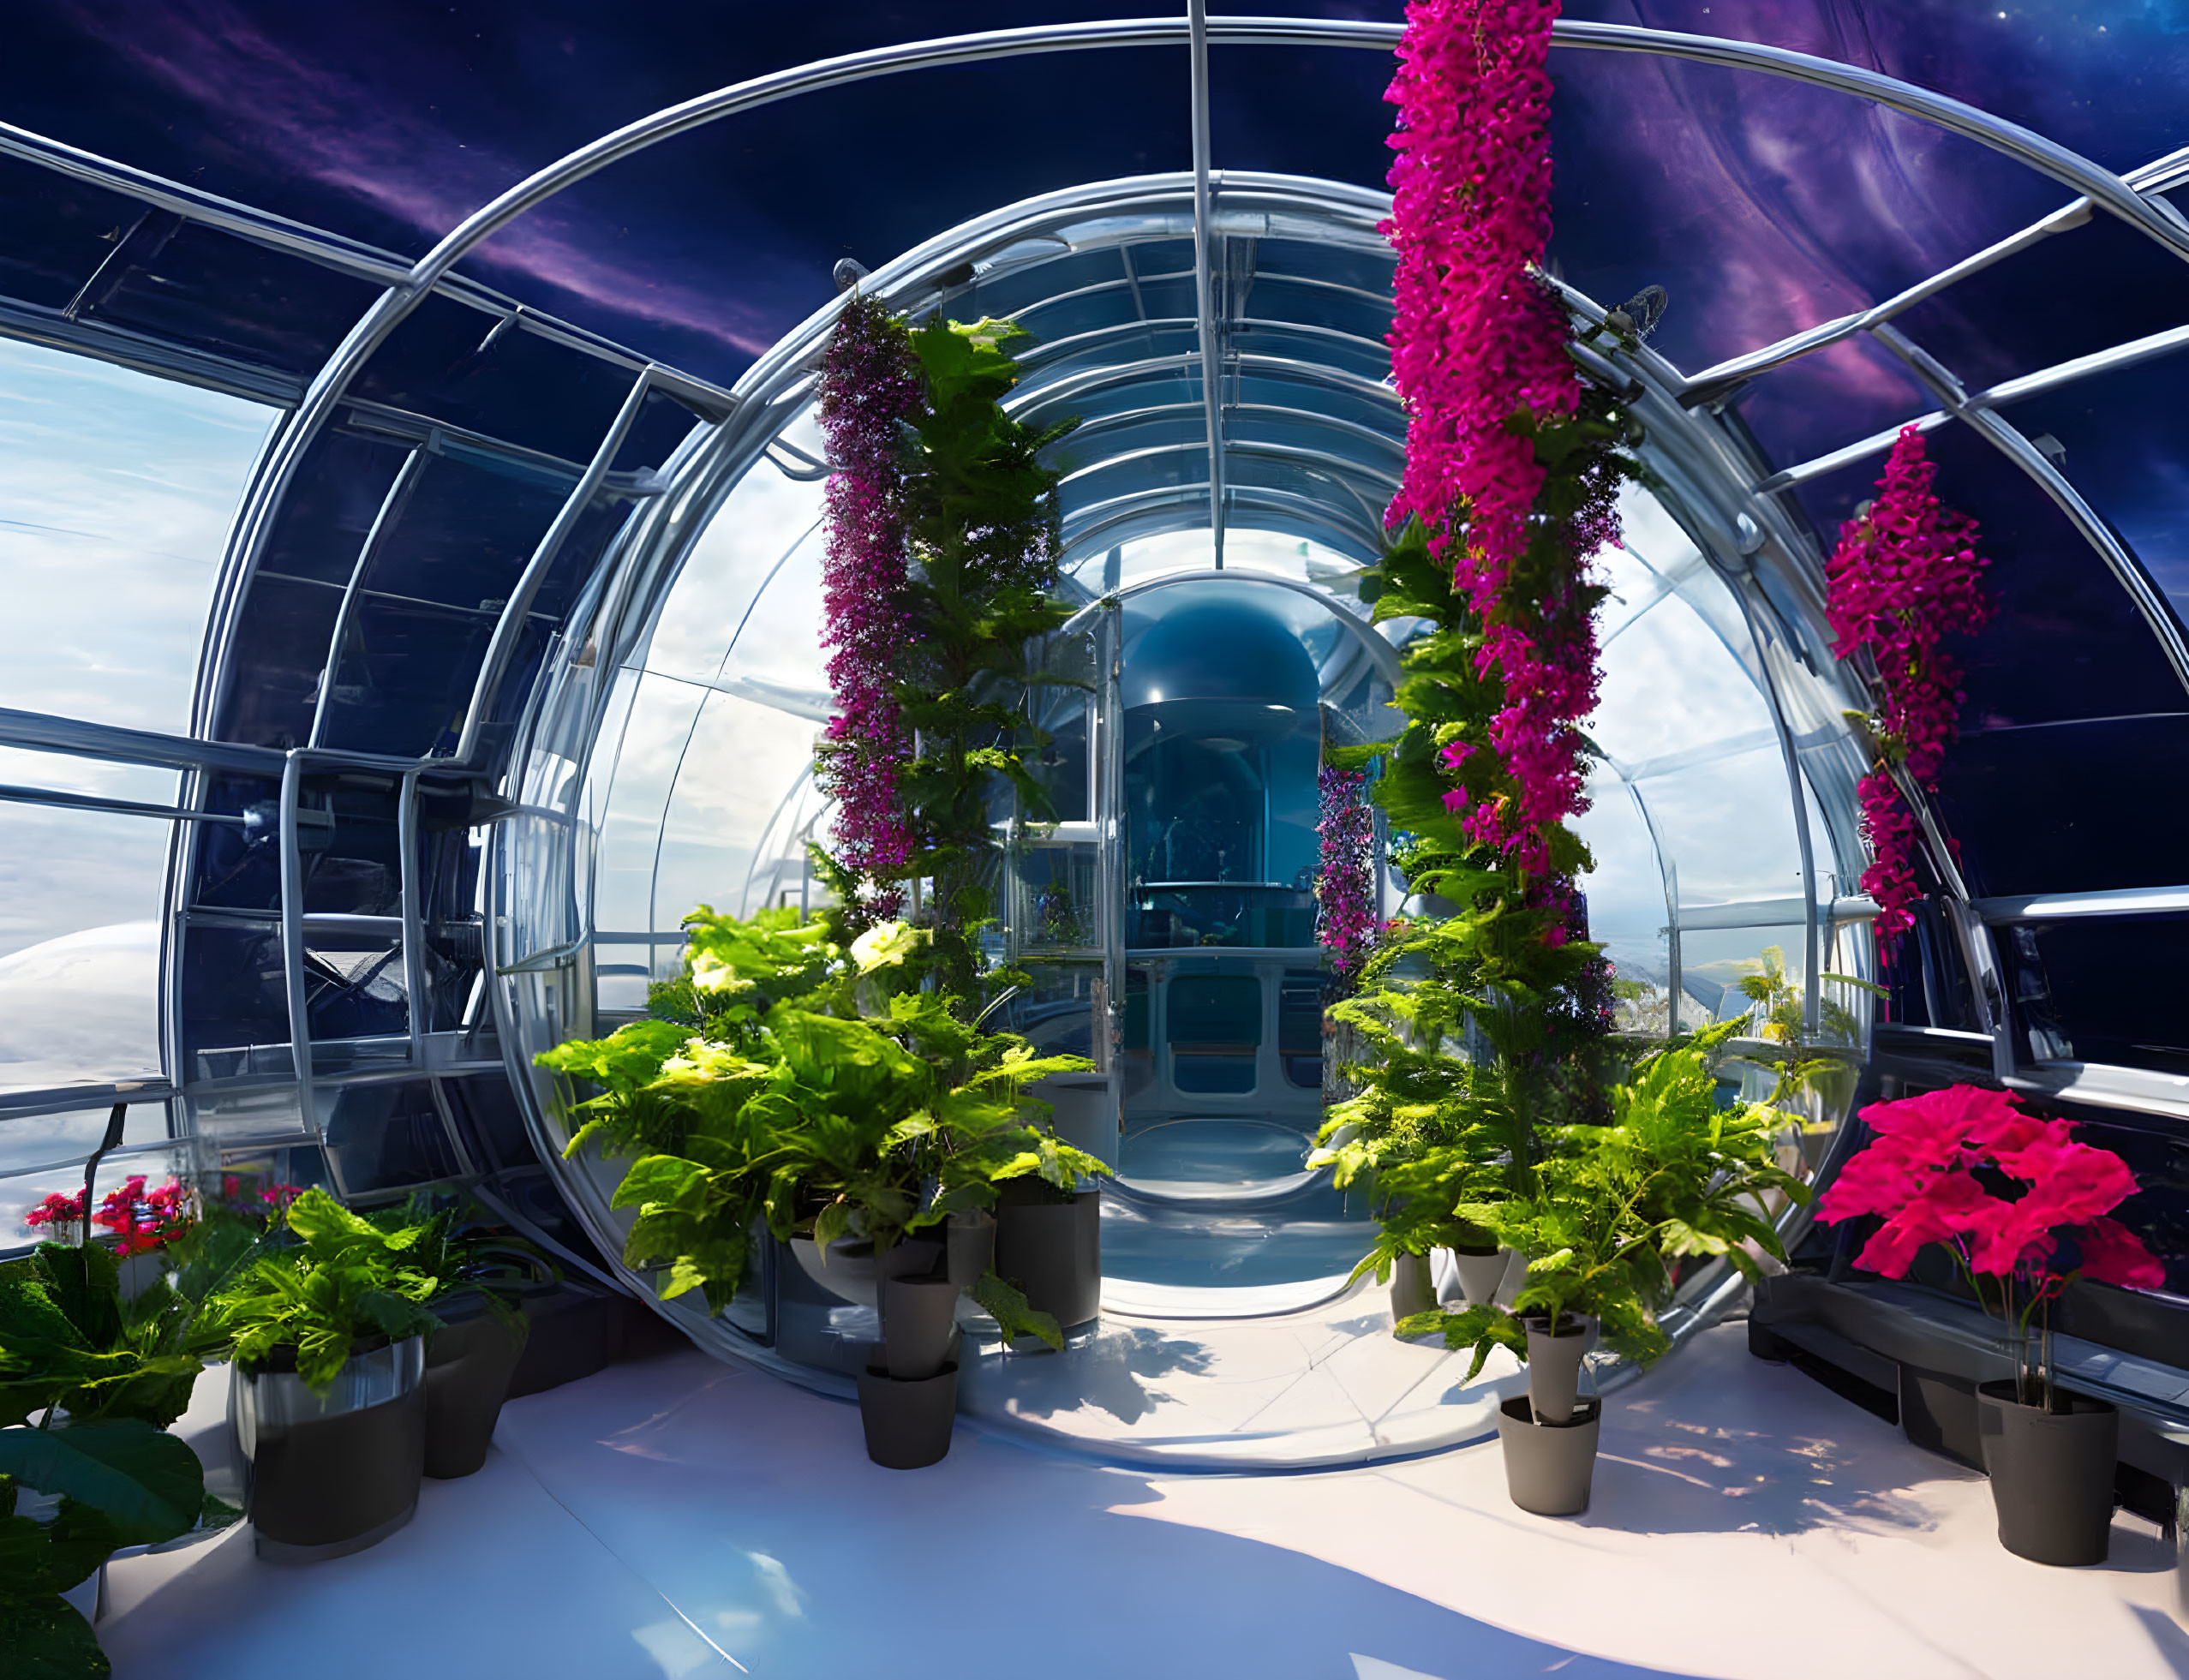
414, 918
292, 943
1211, 345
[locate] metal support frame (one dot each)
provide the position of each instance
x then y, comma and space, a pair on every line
511, 625
1209, 330
384, 524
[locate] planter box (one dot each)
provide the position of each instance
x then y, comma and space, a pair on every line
1052, 1250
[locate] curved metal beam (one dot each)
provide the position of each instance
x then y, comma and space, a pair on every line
2101, 185
1381, 654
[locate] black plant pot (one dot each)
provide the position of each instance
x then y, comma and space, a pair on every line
325, 1478
919, 1316
468, 1369
907, 1420
1050, 1246
2051, 1473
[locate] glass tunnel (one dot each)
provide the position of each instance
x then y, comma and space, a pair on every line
399, 658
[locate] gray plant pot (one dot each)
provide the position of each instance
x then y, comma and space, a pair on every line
918, 1315
907, 1421
1412, 1289
1554, 1367
972, 1246
2051, 1475
1480, 1273
325, 1478
1548, 1466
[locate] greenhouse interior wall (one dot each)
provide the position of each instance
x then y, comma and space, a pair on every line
421, 488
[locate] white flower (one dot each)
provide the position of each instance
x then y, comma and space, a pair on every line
885, 944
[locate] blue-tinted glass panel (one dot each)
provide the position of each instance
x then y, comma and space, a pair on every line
406, 676
521, 387
234, 993
384, 1137
58, 232
279, 650
239, 869
215, 292
662, 424
331, 506
2100, 990
2078, 292
2126, 439
465, 532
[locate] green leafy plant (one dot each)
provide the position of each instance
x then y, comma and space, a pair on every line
829, 1090
104, 1379
346, 1278
1615, 1207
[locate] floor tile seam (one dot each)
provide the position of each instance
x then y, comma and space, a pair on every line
523, 1461
1240, 1426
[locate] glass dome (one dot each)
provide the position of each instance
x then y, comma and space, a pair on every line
399, 662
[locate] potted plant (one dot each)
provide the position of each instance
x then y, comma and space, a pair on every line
2024, 1209
1609, 1212
89, 1385
830, 1093
478, 1274
329, 1403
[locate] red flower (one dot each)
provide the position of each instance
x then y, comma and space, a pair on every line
2112, 1253
1919, 1174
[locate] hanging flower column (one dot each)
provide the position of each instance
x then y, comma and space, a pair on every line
869, 386
1345, 886
1900, 581
1478, 355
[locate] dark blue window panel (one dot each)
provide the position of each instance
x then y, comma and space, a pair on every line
466, 531
494, 1127
580, 552
238, 869
2070, 807
2067, 641
383, 1137
1277, 297
1827, 398
56, 232
279, 648
2100, 990
405, 678
1927, 981
662, 424
356, 869
354, 987
2076, 293
522, 387
235, 989
215, 292
331, 506
2126, 435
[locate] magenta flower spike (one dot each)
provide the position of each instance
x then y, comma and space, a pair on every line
1901, 580
1478, 355
869, 386
1345, 886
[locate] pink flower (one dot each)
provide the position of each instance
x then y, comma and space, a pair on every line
1345, 886
1901, 581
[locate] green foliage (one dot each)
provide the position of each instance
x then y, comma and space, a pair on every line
1615, 1206
347, 1278
982, 517
836, 1091
1778, 1017
105, 1378
1007, 1305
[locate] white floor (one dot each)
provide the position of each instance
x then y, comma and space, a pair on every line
681, 1518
